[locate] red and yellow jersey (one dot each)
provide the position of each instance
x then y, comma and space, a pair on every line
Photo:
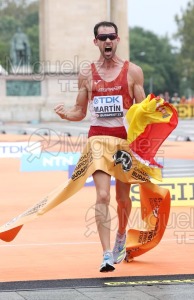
110, 100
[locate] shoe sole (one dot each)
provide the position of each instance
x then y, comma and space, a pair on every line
107, 268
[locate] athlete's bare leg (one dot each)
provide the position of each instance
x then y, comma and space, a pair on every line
102, 214
123, 205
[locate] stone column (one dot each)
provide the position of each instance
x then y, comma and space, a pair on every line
120, 17
2, 87
66, 32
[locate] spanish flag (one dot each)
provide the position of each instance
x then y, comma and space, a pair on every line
131, 161
148, 124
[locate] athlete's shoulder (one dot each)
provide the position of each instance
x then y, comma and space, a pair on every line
134, 67
85, 76
135, 70
85, 71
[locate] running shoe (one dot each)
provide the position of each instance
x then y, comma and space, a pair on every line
119, 250
107, 263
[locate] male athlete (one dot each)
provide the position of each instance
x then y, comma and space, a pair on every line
109, 76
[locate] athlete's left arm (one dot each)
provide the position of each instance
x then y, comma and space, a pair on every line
138, 88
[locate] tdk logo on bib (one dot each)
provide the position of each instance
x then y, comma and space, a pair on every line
108, 106
106, 99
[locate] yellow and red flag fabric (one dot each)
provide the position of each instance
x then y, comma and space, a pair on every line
148, 124
114, 156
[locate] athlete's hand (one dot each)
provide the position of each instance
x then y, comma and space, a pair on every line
61, 111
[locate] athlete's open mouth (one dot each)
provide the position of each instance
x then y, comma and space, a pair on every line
108, 49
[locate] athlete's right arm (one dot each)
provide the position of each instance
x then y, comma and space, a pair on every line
79, 110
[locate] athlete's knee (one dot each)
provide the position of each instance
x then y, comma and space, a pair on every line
123, 202
103, 197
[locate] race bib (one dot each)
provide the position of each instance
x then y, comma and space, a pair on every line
108, 106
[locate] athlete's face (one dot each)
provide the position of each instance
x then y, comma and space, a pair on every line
107, 41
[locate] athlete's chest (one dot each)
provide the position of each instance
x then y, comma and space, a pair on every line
109, 74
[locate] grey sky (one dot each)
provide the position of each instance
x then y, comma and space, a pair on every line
155, 15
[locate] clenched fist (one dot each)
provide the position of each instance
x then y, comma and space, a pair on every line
61, 111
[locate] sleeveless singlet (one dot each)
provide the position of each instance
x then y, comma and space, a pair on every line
106, 96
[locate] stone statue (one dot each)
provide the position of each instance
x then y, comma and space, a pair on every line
20, 49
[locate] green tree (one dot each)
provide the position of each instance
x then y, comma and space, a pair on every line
18, 13
185, 33
156, 58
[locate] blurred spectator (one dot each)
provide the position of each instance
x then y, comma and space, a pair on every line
183, 100
192, 100
167, 97
161, 95
175, 99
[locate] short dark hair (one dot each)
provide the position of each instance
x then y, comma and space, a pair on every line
105, 24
